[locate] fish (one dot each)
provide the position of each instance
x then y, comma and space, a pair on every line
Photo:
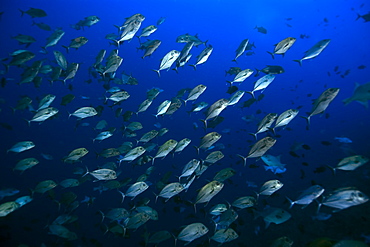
25, 164
271, 69
53, 39
134, 190
314, 51
320, 104
191, 232
86, 22
234, 99
274, 215
244, 202
213, 157
343, 198
162, 108
241, 76
198, 107
184, 55
20, 58
165, 149
8, 207
208, 140
161, 20
273, 163
75, 155
196, 92
224, 174
67, 99
21, 147
104, 135
84, 112
233, 71
33, 12
351, 163
270, 187
187, 38
102, 174
129, 31
158, 237
167, 61
218, 209
225, 219
148, 31
71, 71
170, 190
285, 118
208, 191
8, 192
148, 136
61, 59
259, 148
69, 183
241, 49
262, 83
203, 56
118, 97
45, 186
189, 168
215, 110
282, 47
133, 154
343, 139
46, 101
151, 48
181, 145
365, 17
76, 43
24, 39
361, 94
282, 242
42, 25
308, 196
265, 124
261, 29
224, 235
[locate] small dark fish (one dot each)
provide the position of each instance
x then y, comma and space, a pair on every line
233, 71
6, 126
320, 169
34, 12
326, 20
303, 174
249, 102
67, 99
326, 143
288, 19
42, 26
127, 115
305, 146
259, 111
232, 89
309, 95
305, 163
361, 67
214, 122
336, 68
347, 72
366, 17
294, 154
261, 29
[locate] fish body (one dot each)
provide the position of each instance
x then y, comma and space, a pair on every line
165, 149
21, 146
314, 51
54, 38
241, 76
244, 202
320, 104
8, 192
84, 112
203, 56
241, 49
135, 189
24, 39
133, 154
86, 22
148, 31
208, 140
283, 46
345, 197
21, 58
265, 124
25, 164
213, 157
189, 168
61, 59
75, 155
365, 17
274, 215
259, 148
171, 190
261, 29
208, 191
273, 163
76, 43
198, 107
192, 232
181, 145
148, 136
45, 186
285, 118
103, 174
224, 235
307, 196
187, 38
361, 94
270, 187
215, 109
234, 99
352, 162
262, 83
196, 92
168, 60
163, 107
71, 71
119, 97
7, 208
151, 48
224, 174
46, 101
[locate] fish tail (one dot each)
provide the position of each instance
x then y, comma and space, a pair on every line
251, 93
196, 148
234, 60
272, 54
230, 82
272, 130
258, 72
175, 69
254, 135
244, 159
87, 172
66, 47
123, 195
358, 16
204, 122
333, 169
22, 12
28, 122
194, 66
102, 216
153, 158
347, 101
298, 61
159, 74
290, 201
308, 122
118, 27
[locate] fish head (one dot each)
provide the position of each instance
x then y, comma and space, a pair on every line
358, 197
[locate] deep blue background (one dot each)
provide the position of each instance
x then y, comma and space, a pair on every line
224, 24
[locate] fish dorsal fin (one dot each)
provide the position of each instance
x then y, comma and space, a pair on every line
357, 85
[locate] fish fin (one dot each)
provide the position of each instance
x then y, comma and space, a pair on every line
194, 66
333, 169
290, 201
258, 72
267, 224
230, 82
254, 135
23, 12
159, 75
66, 47
298, 61
123, 195
308, 121
234, 60
251, 93
364, 103
244, 159
358, 15
272, 54
205, 123
196, 149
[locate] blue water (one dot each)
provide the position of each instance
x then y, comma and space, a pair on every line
224, 24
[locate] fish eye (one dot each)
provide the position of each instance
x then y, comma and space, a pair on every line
360, 195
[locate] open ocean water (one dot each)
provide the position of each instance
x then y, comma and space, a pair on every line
308, 152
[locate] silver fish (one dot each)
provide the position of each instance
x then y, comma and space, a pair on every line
259, 148
208, 140
167, 61
187, 38
165, 149
314, 51
84, 112
270, 187
283, 46
46, 101
181, 145
208, 191
285, 118
241, 49
134, 190
43, 115
234, 99
351, 163
244, 202
265, 124
102, 174
170, 190
203, 56
224, 235
21, 146
61, 59
262, 83
241, 76
162, 108
189, 168
133, 154
213, 157
320, 104
148, 31
144, 106
196, 92
343, 198
307, 196
274, 215
215, 109
54, 38
192, 232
